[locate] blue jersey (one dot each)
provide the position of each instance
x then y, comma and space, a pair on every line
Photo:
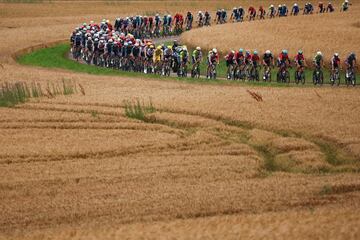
295, 9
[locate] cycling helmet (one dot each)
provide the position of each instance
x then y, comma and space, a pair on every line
319, 53
110, 40
198, 48
280, 6
353, 54
158, 47
89, 38
268, 52
284, 51
284, 5
96, 39
300, 52
241, 50
214, 50
247, 52
184, 48
232, 51
295, 4
152, 46
223, 10
169, 16
234, 8
200, 12
336, 54
271, 6
169, 47
126, 44
346, 1
255, 52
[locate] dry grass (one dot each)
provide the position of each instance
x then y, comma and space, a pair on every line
76, 167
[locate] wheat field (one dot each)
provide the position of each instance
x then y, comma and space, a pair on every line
210, 163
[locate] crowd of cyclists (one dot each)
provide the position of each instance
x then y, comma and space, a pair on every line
126, 45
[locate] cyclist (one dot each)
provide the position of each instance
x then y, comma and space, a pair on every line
168, 53
207, 18
223, 16
319, 60
169, 23
254, 62
136, 53
321, 7
200, 19
239, 60
149, 58
262, 12
189, 20
183, 59
284, 11
335, 63
351, 61
272, 11
251, 13
330, 7
283, 59
345, 6
279, 10
230, 62
179, 20
234, 15
218, 16
300, 61
268, 59
241, 13
158, 57
295, 10
247, 58
268, 62
213, 60
196, 57
165, 24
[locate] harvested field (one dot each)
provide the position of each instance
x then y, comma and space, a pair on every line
210, 163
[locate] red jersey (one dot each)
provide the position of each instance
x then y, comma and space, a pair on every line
255, 58
252, 10
230, 56
299, 57
283, 57
239, 57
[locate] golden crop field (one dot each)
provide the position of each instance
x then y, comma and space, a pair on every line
210, 163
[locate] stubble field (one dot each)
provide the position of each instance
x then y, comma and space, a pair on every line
210, 163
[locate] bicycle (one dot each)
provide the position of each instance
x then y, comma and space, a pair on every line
350, 76
283, 75
211, 71
267, 74
300, 75
195, 71
318, 76
230, 71
335, 77
166, 67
